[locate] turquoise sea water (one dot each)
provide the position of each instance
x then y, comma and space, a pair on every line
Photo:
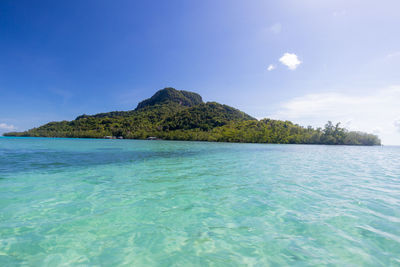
80, 202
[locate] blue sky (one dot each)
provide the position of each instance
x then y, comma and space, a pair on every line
308, 61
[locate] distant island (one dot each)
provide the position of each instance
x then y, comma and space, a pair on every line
172, 114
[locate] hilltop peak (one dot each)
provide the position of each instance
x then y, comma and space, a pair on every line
170, 94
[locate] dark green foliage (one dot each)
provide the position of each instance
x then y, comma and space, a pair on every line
111, 114
180, 115
205, 117
167, 95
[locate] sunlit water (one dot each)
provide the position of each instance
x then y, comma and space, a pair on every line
161, 203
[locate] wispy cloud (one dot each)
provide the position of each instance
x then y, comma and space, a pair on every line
290, 60
271, 67
397, 124
339, 13
7, 127
64, 94
276, 28
378, 111
393, 55
128, 98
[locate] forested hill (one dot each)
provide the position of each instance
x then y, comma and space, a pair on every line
181, 115
168, 95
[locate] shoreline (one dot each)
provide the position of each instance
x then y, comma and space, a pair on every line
205, 141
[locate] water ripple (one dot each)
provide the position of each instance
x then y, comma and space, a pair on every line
158, 203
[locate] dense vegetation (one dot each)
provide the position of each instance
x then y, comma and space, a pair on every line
168, 95
180, 115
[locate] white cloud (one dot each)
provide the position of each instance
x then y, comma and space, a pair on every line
377, 131
290, 60
276, 28
397, 124
378, 112
7, 127
271, 67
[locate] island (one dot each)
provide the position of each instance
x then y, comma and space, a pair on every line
172, 114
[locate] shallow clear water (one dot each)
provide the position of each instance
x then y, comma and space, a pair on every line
161, 203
